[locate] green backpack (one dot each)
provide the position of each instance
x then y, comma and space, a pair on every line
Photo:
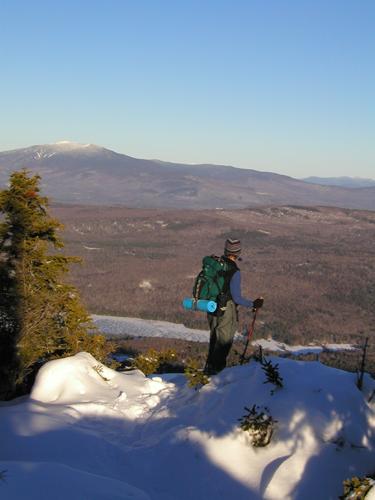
212, 282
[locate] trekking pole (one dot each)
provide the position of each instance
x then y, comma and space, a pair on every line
249, 335
362, 369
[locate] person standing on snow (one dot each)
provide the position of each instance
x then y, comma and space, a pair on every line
223, 325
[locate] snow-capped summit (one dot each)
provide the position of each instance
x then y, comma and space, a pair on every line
71, 145
41, 152
75, 146
56, 155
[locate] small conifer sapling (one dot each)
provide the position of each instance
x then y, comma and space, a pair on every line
259, 424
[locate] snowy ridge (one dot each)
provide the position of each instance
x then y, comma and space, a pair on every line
100, 434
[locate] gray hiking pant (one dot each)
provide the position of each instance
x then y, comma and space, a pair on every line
222, 330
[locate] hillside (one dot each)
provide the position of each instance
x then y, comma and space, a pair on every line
89, 432
315, 267
90, 174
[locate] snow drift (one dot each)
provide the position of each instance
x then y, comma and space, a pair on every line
89, 432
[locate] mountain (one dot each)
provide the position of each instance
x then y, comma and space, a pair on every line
89, 174
348, 182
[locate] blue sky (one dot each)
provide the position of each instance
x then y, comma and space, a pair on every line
285, 86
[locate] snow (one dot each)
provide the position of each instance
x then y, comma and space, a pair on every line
145, 285
297, 350
117, 326
44, 481
371, 494
87, 431
70, 145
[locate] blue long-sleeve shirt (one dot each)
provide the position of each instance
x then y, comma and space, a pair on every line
235, 290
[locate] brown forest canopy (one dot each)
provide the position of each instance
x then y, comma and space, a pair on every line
315, 266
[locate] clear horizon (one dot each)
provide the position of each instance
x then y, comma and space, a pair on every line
285, 87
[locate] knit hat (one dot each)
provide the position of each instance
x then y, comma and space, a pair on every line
232, 247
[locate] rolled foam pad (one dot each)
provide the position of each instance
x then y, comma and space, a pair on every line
199, 305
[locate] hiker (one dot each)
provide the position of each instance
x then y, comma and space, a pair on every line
223, 323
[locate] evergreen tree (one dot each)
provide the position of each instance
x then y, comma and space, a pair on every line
41, 316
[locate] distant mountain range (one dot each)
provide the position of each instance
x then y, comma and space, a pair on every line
89, 174
348, 182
